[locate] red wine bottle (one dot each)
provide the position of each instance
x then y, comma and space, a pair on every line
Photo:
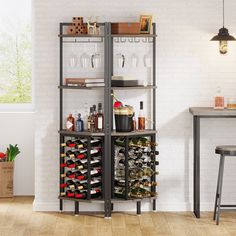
93, 142
94, 193
68, 193
71, 144
80, 154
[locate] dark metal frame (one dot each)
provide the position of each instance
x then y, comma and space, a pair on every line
108, 140
196, 160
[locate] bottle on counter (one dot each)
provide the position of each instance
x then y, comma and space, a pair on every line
100, 118
70, 123
79, 126
141, 118
219, 99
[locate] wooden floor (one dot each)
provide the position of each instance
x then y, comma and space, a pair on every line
17, 218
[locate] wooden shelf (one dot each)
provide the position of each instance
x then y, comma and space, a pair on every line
135, 87
79, 87
80, 36
117, 200
133, 133
114, 88
84, 133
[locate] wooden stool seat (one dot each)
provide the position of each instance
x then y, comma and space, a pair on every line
226, 150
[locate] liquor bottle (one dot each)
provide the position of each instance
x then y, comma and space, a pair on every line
148, 183
219, 99
93, 120
79, 125
89, 119
134, 125
94, 193
120, 182
100, 119
70, 123
141, 118
71, 144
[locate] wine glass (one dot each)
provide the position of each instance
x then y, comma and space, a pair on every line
84, 60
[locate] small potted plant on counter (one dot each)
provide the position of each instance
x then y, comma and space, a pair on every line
7, 170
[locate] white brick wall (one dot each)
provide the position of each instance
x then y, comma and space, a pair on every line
189, 68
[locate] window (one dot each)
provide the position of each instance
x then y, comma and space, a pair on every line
15, 53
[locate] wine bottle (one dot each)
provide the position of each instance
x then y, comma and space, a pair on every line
141, 118
82, 174
93, 142
80, 154
94, 193
68, 193
93, 184
147, 171
71, 144
71, 185
93, 163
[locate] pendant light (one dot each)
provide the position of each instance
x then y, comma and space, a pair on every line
223, 36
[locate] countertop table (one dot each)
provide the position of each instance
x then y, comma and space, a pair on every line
198, 113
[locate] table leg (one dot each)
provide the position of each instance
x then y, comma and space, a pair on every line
196, 165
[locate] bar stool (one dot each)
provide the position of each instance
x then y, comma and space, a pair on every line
224, 150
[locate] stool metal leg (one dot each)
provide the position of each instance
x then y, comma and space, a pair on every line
222, 160
217, 191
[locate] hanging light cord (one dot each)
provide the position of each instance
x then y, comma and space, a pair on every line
223, 13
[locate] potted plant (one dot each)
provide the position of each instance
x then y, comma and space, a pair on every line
7, 170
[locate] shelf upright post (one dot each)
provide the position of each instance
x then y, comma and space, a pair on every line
89, 167
112, 166
153, 137
107, 121
126, 167
62, 138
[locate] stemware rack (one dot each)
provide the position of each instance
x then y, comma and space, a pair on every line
109, 135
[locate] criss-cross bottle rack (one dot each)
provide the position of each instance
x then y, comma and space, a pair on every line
109, 135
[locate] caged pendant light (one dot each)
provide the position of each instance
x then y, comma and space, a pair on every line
223, 36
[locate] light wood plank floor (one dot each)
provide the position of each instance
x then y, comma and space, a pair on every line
17, 218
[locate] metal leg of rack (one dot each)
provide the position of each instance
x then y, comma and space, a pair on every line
61, 205
76, 208
139, 208
154, 207
112, 206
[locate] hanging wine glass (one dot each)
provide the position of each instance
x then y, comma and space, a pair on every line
134, 60
120, 58
95, 58
84, 60
72, 60
147, 60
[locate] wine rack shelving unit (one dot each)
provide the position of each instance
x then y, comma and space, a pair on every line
109, 135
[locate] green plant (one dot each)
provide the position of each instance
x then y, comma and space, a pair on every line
12, 152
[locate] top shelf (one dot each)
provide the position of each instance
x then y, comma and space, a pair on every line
80, 36
112, 35
134, 35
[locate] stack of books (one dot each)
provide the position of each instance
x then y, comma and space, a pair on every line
85, 82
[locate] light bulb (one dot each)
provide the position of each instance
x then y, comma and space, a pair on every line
223, 47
